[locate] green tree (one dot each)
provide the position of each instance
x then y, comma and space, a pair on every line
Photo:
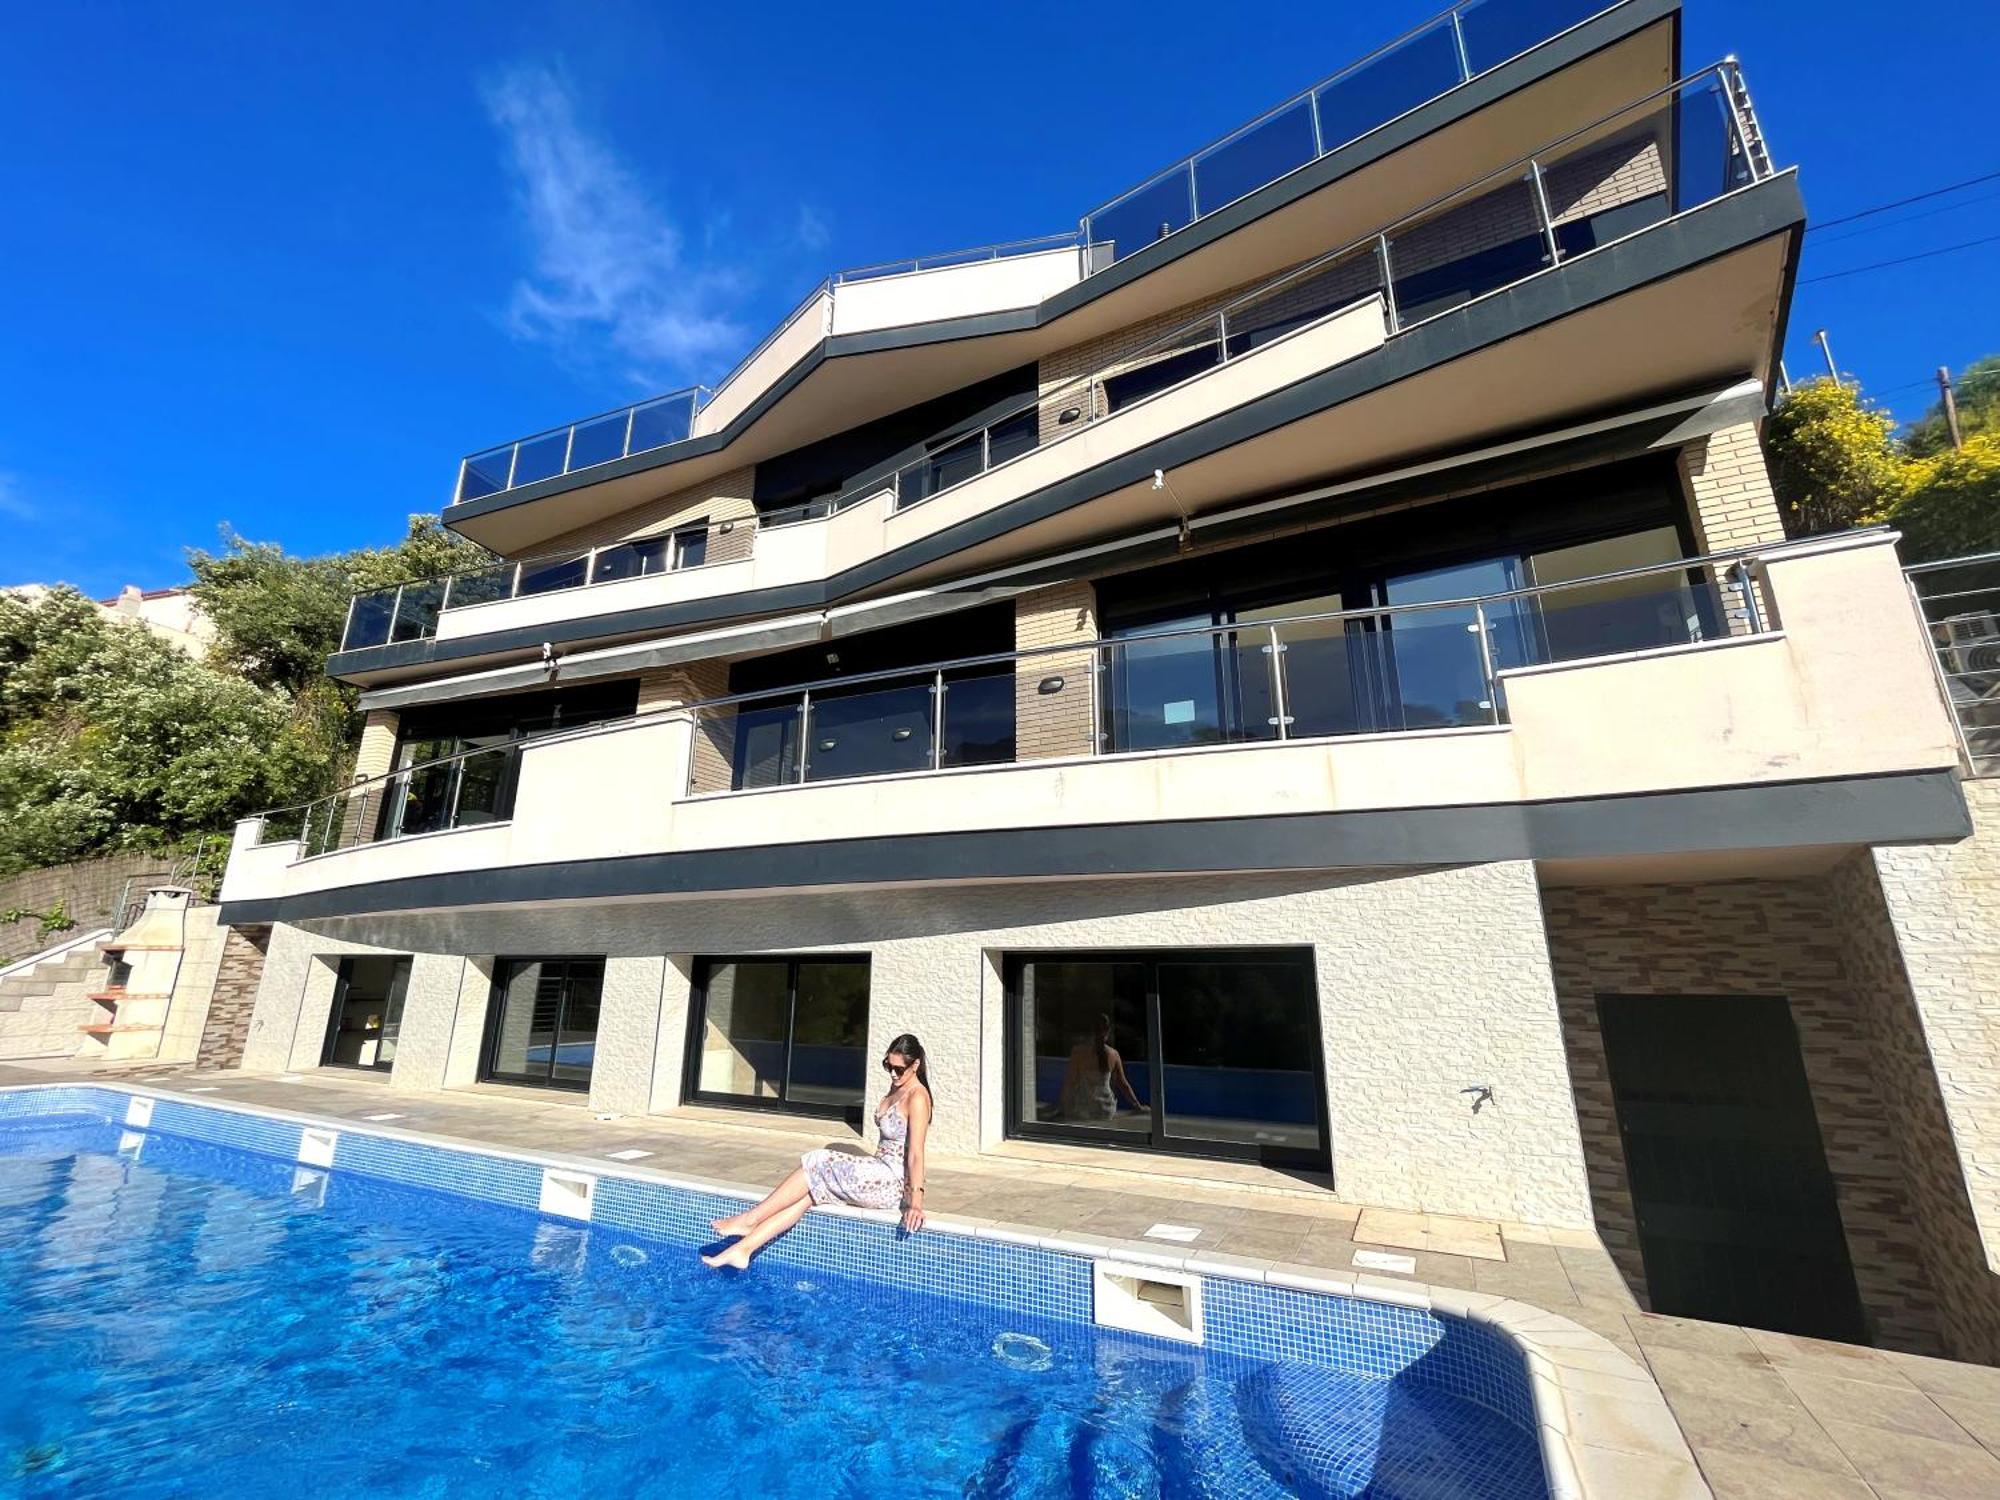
1834, 458
1949, 504
110, 738
278, 618
1977, 390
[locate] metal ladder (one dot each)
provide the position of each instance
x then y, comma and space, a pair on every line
1756, 151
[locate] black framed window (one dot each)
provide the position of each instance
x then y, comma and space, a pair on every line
366, 1022
541, 1025
780, 1033
1207, 1052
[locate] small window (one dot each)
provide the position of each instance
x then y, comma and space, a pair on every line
691, 545
631, 560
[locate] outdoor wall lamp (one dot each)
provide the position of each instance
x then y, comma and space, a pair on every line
1049, 685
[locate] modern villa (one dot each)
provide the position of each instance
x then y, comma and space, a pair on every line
1320, 633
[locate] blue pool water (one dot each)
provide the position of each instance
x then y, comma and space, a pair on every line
188, 1319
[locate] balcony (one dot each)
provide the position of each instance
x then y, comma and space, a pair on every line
1669, 153
1960, 601
1799, 665
1463, 43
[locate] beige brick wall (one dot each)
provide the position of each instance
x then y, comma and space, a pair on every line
376, 757
1054, 724
1748, 938
1944, 1171
1728, 491
723, 498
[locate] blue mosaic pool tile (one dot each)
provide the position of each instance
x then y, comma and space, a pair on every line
99, 1104
224, 1127
496, 1179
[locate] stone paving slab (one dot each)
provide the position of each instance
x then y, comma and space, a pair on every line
1768, 1416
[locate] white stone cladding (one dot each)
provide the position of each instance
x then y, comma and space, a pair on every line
1430, 983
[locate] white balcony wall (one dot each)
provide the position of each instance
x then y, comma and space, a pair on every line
1845, 690
947, 292
793, 343
597, 599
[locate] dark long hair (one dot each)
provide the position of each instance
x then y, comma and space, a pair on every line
908, 1046
1103, 1036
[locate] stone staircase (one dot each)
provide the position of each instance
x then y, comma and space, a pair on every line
44, 1001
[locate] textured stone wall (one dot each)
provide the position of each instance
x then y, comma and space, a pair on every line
1748, 938
89, 890
227, 1025
1058, 723
1428, 983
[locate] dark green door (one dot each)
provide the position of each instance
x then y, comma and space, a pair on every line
1737, 1217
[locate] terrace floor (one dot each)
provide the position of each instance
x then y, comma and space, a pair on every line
1768, 1416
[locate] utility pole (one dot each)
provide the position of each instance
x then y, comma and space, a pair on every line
1827, 349
1950, 407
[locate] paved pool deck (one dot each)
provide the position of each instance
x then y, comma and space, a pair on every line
1768, 1416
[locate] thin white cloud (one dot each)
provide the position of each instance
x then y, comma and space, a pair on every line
12, 502
611, 273
812, 231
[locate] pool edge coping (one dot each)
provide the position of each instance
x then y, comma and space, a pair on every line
1603, 1424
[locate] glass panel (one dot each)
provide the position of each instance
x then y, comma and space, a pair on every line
1262, 153
1379, 90
1010, 437
485, 473
483, 587
598, 441
745, 1012
1142, 216
1478, 244
872, 732
1630, 614
419, 800
548, 577
667, 420
392, 1014
1706, 163
541, 458
417, 614
1157, 374
1185, 690
747, 745
1434, 677
829, 1058
576, 1031
524, 1037
486, 786
691, 547
1318, 694
1084, 1052
1302, 300
368, 620
979, 717
1237, 1054
1496, 30
631, 560
954, 463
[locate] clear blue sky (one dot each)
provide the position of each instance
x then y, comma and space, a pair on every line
281, 265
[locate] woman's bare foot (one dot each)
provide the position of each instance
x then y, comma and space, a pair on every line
735, 1224
735, 1258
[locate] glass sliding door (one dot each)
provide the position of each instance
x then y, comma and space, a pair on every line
781, 1033
542, 1024
367, 1016
1206, 1052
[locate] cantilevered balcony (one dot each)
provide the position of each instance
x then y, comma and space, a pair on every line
1651, 164
1560, 722
1453, 49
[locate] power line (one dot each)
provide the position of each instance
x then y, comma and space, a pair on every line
1883, 208
1899, 223
1901, 260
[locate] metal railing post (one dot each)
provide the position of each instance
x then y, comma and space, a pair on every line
1478, 628
444, 599
513, 458
347, 625
1542, 206
1280, 700
631, 416
1194, 194
937, 721
1941, 676
1312, 107
514, 586
395, 614
805, 731
1458, 36
1222, 336
1096, 701
1388, 279
1753, 613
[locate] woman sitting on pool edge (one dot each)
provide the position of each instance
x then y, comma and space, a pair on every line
893, 1177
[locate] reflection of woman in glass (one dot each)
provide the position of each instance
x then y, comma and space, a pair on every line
1096, 1079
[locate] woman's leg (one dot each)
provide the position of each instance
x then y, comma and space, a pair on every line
738, 1255
784, 1195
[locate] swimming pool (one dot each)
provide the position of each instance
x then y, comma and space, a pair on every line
185, 1308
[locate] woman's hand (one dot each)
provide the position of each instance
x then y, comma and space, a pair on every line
913, 1216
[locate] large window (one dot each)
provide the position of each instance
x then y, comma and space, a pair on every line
367, 1017
1212, 1053
778, 1033
541, 1026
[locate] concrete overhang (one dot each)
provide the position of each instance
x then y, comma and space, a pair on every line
1694, 303
842, 381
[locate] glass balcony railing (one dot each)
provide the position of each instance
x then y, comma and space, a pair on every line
410, 611
1959, 599
1673, 150
1393, 669
1450, 49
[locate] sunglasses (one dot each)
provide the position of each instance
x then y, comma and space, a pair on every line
895, 1071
